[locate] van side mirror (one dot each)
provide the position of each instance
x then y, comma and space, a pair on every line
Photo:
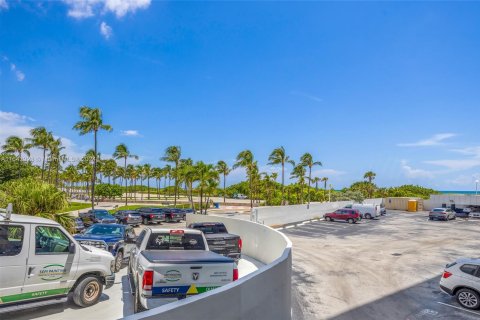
71, 248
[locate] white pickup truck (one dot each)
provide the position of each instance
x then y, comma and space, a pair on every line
174, 264
41, 264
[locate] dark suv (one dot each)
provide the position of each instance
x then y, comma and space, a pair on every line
349, 215
173, 214
96, 216
152, 215
128, 217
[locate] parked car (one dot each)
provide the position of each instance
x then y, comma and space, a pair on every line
462, 212
239, 196
367, 211
349, 215
219, 240
173, 214
151, 215
41, 264
78, 225
96, 216
441, 214
132, 217
474, 214
175, 263
462, 280
117, 239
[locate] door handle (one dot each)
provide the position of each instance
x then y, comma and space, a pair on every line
30, 270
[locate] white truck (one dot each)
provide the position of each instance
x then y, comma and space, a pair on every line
41, 264
175, 264
367, 211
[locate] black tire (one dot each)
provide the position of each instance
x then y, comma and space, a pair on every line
351, 221
88, 291
368, 216
118, 261
468, 299
137, 306
328, 219
145, 221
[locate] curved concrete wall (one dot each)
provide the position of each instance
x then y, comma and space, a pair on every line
264, 294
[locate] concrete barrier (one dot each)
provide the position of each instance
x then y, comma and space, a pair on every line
264, 294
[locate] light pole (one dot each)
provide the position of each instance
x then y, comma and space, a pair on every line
476, 186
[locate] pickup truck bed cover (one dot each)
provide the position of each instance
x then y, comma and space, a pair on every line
184, 256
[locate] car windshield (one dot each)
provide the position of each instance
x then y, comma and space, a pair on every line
133, 213
157, 210
102, 214
438, 210
210, 229
175, 241
104, 229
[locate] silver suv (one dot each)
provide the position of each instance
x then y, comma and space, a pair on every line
462, 279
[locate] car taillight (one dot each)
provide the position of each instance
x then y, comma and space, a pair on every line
151, 216
240, 243
446, 274
235, 274
147, 282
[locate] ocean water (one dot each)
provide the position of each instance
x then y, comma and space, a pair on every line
459, 192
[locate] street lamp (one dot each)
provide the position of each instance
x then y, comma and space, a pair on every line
476, 186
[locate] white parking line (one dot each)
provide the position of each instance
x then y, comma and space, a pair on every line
288, 227
462, 309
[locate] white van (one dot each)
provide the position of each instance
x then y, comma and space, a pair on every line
368, 211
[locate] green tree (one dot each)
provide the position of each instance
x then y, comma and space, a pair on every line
122, 152
245, 160
279, 156
15, 144
92, 121
307, 160
324, 180
41, 138
173, 154
223, 169
109, 191
298, 173
147, 172
10, 170
109, 168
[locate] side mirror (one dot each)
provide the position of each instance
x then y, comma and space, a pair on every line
71, 248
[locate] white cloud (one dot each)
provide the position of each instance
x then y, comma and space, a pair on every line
130, 133
415, 173
470, 151
105, 30
327, 173
18, 73
3, 4
306, 95
81, 9
457, 164
465, 180
435, 140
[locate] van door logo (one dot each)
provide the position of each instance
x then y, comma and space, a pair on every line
52, 272
195, 275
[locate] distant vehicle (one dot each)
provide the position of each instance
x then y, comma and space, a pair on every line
239, 196
383, 210
132, 217
78, 225
117, 239
367, 211
462, 212
96, 216
173, 264
462, 280
152, 215
474, 214
219, 240
42, 264
441, 214
173, 214
349, 215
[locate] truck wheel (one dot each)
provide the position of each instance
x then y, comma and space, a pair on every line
468, 298
118, 261
87, 292
137, 305
368, 216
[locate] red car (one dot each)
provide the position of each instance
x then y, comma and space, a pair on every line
349, 215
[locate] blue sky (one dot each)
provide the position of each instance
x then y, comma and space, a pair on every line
388, 87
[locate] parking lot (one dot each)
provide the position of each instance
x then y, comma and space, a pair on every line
388, 268
117, 301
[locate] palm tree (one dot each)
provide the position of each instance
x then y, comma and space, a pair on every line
92, 122
55, 148
147, 172
14, 144
222, 168
307, 160
206, 174
41, 138
173, 154
109, 168
299, 172
245, 160
122, 152
316, 180
278, 156
140, 175
370, 176
324, 180
157, 173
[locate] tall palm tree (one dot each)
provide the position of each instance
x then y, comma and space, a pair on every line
122, 152
173, 155
370, 176
15, 144
92, 122
140, 175
245, 160
307, 160
109, 168
206, 173
278, 156
157, 173
55, 147
299, 172
316, 180
41, 138
222, 168
324, 180
147, 172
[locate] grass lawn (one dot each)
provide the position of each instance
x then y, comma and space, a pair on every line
133, 207
72, 206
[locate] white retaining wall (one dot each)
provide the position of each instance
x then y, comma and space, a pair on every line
264, 294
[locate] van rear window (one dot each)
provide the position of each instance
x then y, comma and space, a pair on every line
11, 240
181, 241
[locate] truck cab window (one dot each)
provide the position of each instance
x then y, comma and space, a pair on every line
11, 240
50, 240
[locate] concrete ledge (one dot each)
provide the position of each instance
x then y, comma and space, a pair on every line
264, 294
